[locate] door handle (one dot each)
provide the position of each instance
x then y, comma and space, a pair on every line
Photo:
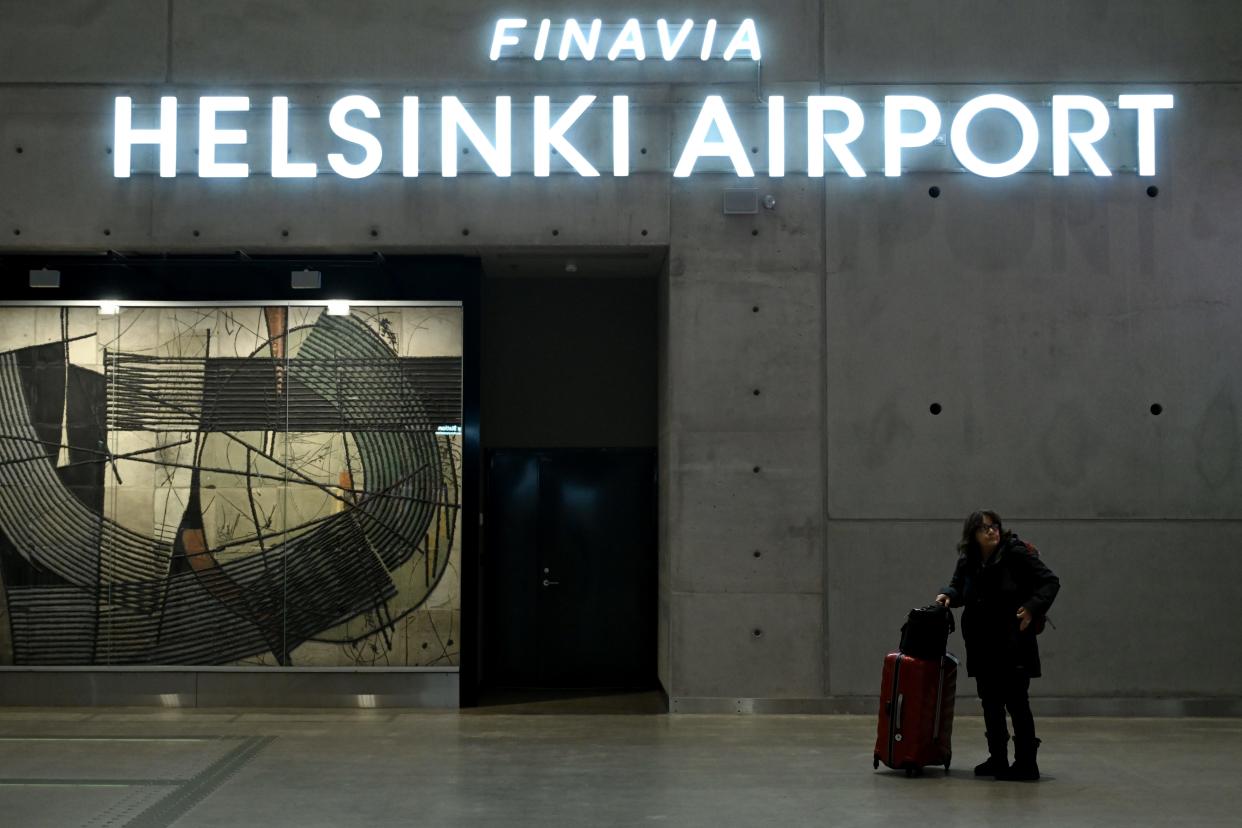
546, 582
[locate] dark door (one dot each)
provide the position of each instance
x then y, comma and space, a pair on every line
570, 568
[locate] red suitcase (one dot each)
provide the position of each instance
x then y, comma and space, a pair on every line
916, 713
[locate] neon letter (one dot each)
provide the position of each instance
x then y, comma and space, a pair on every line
126, 136
282, 167
729, 146
838, 142
895, 140
746, 38
1062, 105
573, 34
776, 136
959, 136
502, 38
1146, 106
541, 42
631, 38
209, 137
620, 136
409, 136
374, 152
498, 156
548, 137
670, 48
709, 37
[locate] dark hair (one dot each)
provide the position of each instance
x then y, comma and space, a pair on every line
968, 545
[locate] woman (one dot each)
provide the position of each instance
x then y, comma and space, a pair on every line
1006, 591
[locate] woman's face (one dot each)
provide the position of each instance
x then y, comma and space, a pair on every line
988, 536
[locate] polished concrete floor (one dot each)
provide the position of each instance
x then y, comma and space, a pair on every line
527, 764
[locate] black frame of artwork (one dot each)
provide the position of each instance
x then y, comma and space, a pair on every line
254, 279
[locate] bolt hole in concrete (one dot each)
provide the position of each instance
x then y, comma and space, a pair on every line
20, 150
754, 232
934, 192
754, 150
107, 150
935, 409
16, 232
107, 232
284, 234
1156, 409
755, 469
643, 150
756, 392
556, 232
465, 231
757, 633
374, 233
644, 232
758, 554
755, 309
1153, 191
197, 234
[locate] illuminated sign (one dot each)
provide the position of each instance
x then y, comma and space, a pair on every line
835, 126
571, 39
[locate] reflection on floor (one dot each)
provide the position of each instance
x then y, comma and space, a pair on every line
518, 701
279, 767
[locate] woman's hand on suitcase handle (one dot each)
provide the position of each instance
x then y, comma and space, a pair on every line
943, 600
1025, 618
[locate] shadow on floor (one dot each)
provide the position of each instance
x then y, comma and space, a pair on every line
526, 701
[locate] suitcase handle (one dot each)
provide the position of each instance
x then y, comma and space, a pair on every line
897, 716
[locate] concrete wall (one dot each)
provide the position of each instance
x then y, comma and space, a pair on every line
1045, 316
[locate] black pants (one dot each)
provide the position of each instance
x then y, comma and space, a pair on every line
998, 691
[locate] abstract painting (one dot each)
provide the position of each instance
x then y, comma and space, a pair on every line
230, 485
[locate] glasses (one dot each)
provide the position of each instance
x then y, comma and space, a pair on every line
989, 528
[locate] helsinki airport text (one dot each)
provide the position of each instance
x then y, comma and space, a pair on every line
833, 124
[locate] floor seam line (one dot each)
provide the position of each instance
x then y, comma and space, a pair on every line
175, 805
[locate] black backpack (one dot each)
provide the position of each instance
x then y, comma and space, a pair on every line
926, 632
1039, 622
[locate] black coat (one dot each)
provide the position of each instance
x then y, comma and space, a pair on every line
991, 594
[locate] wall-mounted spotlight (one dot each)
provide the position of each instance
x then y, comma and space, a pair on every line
741, 201
305, 279
109, 308
338, 308
45, 278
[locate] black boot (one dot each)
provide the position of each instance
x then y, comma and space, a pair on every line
997, 763
1025, 768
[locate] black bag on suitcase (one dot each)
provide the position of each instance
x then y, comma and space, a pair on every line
926, 632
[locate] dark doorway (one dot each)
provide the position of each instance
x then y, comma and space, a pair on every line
571, 568
569, 431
